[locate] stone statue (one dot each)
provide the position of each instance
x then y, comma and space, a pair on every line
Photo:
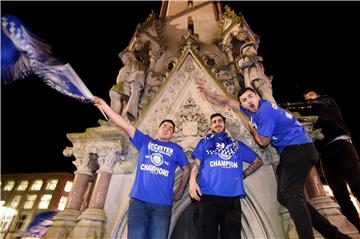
130, 82
251, 68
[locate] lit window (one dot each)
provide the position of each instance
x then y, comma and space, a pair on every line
45, 201
7, 216
68, 186
62, 203
36, 186
51, 184
15, 202
23, 185
9, 186
30, 200
21, 222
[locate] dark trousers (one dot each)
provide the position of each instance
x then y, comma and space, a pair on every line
341, 166
292, 172
216, 215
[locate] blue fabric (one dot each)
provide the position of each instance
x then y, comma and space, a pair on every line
22, 54
212, 140
156, 167
221, 171
283, 128
147, 220
9, 55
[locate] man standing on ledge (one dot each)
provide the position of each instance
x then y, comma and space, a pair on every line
339, 159
151, 195
218, 159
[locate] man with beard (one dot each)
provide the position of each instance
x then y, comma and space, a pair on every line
218, 161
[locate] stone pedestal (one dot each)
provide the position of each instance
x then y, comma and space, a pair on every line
91, 225
326, 205
331, 210
63, 225
66, 220
91, 221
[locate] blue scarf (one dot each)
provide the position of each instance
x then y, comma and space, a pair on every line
211, 140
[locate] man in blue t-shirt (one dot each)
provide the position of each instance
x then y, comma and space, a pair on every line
151, 196
219, 171
271, 124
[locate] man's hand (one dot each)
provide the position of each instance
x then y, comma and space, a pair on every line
194, 191
98, 102
201, 85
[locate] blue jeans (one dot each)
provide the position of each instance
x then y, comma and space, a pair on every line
148, 220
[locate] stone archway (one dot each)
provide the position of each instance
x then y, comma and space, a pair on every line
252, 220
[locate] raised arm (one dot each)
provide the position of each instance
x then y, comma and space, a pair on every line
255, 165
115, 117
222, 99
261, 140
183, 182
194, 189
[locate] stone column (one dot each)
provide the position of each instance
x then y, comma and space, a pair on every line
229, 53
65, 220
326, 205
91, 221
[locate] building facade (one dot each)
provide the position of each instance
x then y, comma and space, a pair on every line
23, 196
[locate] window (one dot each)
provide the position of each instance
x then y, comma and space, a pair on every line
36, 186
7, 216
5, 223
15, 202
30, 200
9, 186
68, 186
45, 201
21, 222
23, 185
62, 203
51, 184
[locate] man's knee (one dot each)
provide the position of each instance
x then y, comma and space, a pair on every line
286, 198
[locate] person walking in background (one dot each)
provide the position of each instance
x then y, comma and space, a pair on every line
151, 195
339, 159
271, 124
218, 163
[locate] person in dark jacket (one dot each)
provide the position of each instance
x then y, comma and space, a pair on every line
339, 158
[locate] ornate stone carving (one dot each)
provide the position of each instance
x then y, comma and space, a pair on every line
125, 95
82, 159
108, 154
192, 124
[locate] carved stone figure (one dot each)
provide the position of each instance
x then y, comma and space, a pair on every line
251, 68
130, 81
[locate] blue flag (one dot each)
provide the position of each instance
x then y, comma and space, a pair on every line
23, 54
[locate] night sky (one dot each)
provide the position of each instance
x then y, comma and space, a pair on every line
303, 44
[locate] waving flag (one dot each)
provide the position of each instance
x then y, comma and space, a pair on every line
23, 54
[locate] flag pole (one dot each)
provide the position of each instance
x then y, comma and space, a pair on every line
103, 113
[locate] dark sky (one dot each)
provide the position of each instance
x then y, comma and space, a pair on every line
303, 44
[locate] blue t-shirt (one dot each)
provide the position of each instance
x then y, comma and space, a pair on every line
283, 128
156, 167
221, 171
